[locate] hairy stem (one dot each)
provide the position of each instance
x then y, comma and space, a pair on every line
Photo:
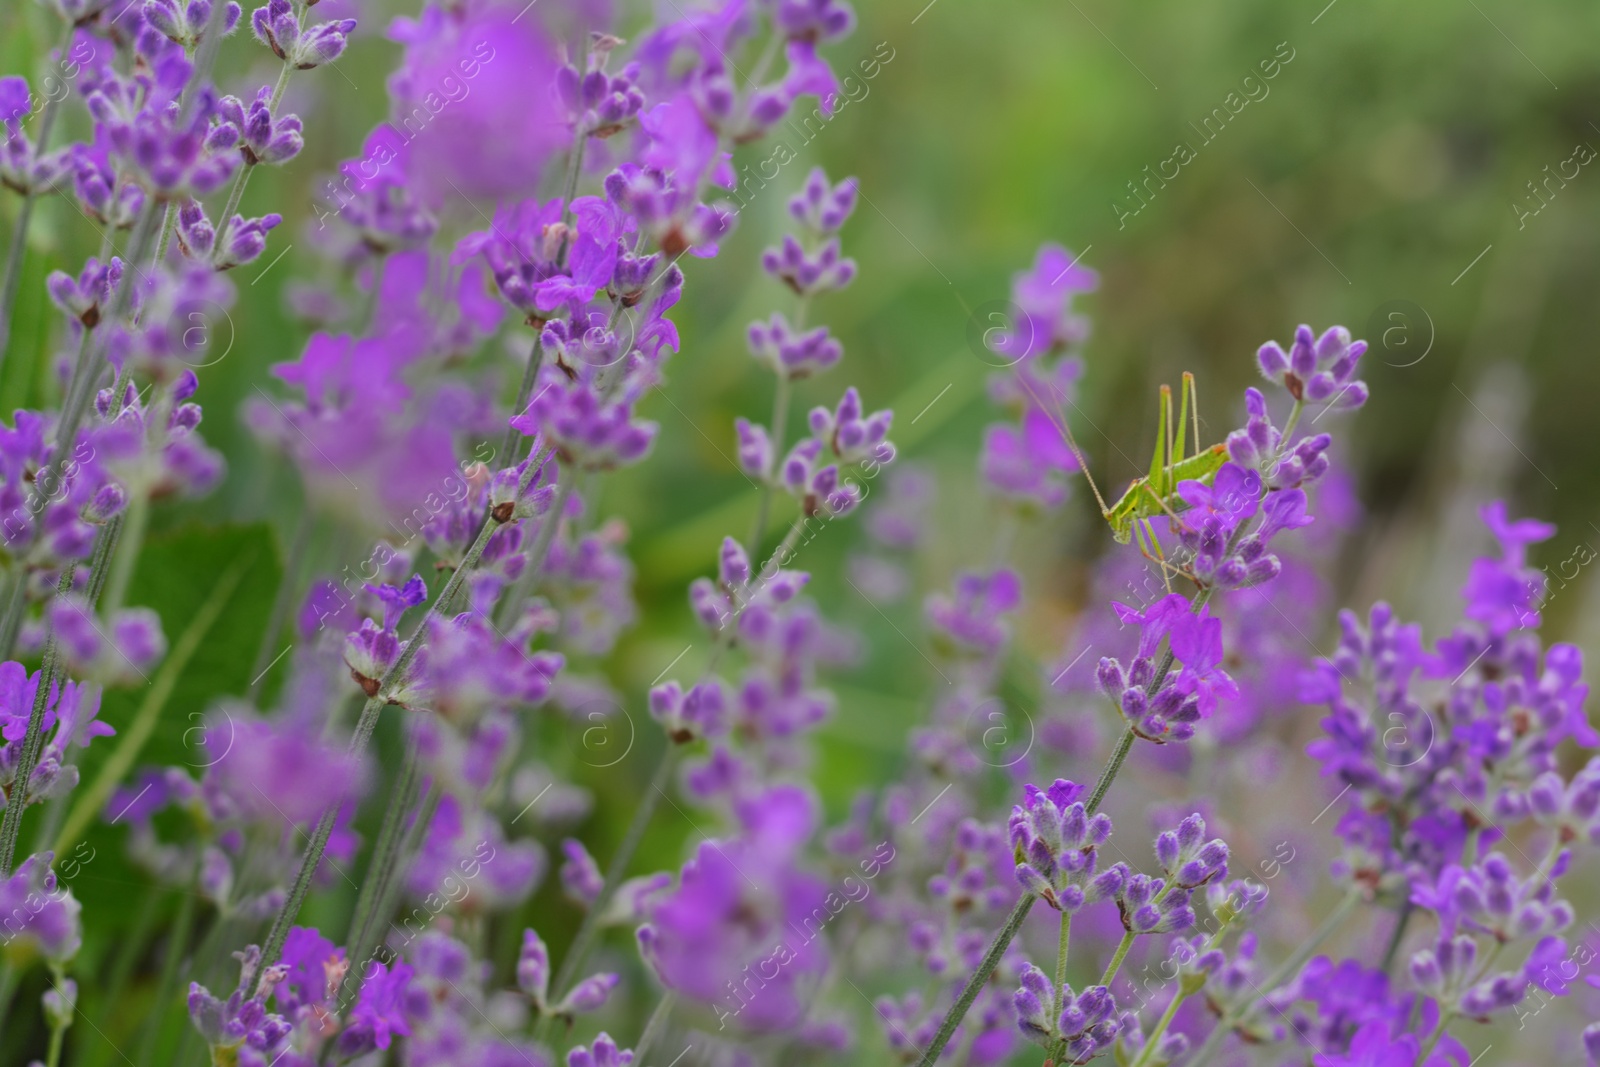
1062, 941
780, 420
16, 603
368, 722
1236, 1015
583, 940
126, 557
1154, 1040
511, 446
365, 921
1117, 957
656, 1026
542, 541
1002, 940
32, 745
281, 603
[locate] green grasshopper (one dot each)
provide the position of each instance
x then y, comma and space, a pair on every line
1157, 492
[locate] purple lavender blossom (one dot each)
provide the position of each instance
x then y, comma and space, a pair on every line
602, 1052
1027, 463
378, 1015
184, 23
69, 720
790, 353
839, 438
1316, 368
1087, 1023
746, 947
23, 166
493, 140
264, 137
599, 104
588, 430
40, 914
580, 874
1057, 845
277, 26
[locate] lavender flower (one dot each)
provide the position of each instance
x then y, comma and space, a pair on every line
184, 23
278, 27
1057, 845
40, 914
1317, 368
602, 1052
588, 430
263, 136
1087, 1023
792, 354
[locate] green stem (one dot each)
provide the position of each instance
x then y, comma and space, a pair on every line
569, 187
105, 550
542, 541
10, 978
231, 205
1062, 940
368, 722
166, 985
126, 558
511, 446
1154, 1039
131, 739
1061, 960
1294, 420
385, 855
1113, 765
58, 1030
282, 601
392, 888
16, 603
656, 1026
169, 222
32, 744
583, 940
1237, 1015
1117, 957
780, 421
12, 279
1401, 921
997, 947
242, 178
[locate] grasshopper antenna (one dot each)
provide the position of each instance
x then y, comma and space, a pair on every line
1083, 462
1058, 418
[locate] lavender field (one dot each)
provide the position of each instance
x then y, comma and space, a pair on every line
706, 533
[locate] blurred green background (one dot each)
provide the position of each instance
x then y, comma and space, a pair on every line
1382, 182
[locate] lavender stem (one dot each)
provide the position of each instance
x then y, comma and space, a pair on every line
583, 940
32, 744
12, 279
367, 722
